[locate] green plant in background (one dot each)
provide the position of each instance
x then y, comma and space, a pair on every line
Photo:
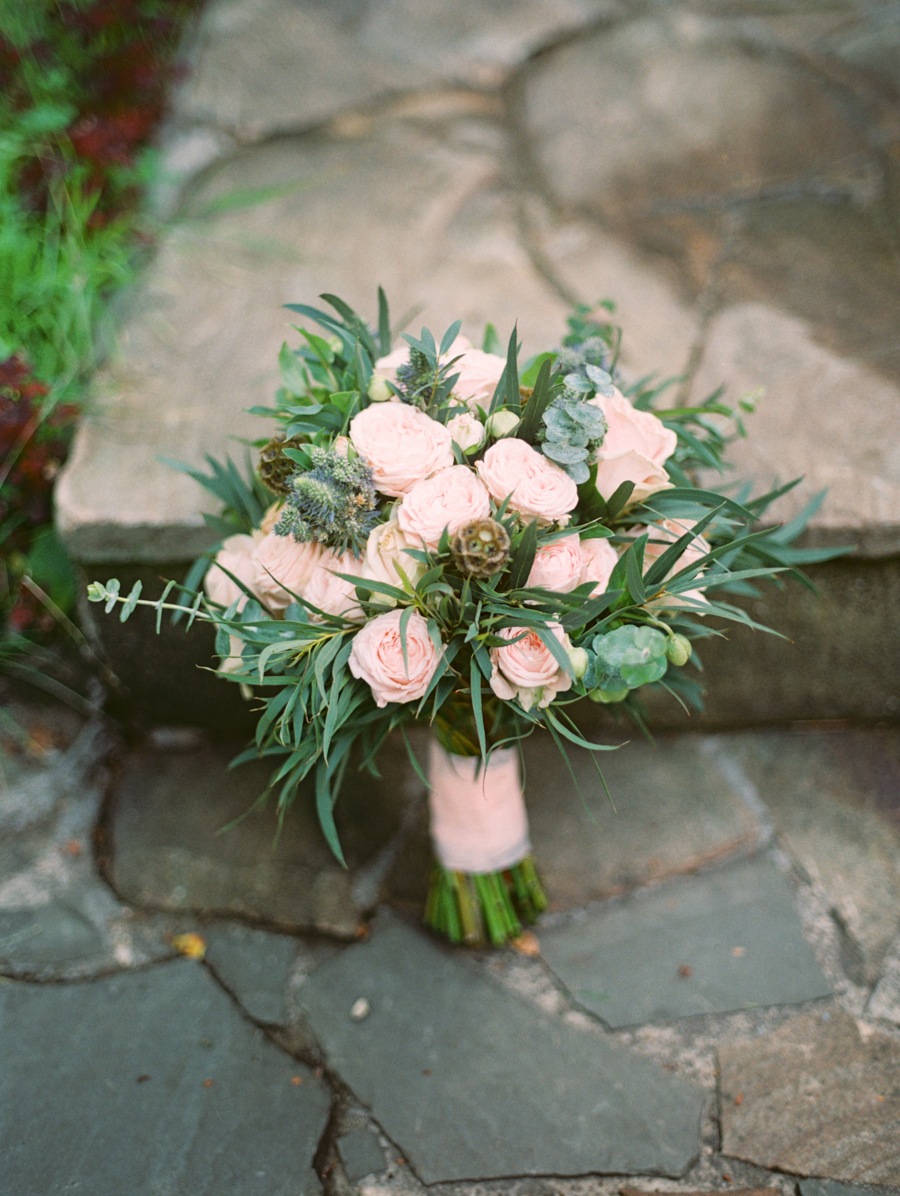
82, 87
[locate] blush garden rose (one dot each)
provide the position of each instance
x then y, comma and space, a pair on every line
377, 657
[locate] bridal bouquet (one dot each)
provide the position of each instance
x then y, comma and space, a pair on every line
436, 534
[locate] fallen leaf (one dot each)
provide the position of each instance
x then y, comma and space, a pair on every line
527, 944
685, 970
191, 945
207, 1083
72, 847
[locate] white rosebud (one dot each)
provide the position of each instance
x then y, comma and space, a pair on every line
578, 659
502, 423
379, 391
467, 431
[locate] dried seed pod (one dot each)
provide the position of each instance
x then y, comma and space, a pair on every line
481, 549
275, 469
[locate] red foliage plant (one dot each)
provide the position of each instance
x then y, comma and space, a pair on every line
118, 55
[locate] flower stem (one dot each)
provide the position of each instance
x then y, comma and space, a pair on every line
484, 907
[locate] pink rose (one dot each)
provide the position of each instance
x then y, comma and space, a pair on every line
538, 487
528, 670
630, 430
385, 549
479, 373
402, 444
386, 367
283, 564
332, 594
662, 536
599, 559
450, 499
634, 449
558, 565
377, 657
271, 517
467, 431
235, 555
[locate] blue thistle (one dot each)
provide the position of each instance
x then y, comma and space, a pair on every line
416, 378
334, 503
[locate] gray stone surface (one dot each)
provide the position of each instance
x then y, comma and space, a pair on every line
720, 173
255, 966
469, 40
57, 917
800, 388
208, 319
828, 1187
659, 327
170, 854
885, 999
473, 1083
149, 1082
669, 108
816, 1097
723, 941
663, 126
834, 799
361, 1154
228, 90
670, 810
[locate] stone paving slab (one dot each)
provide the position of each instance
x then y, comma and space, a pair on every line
796, 379
146, 1083
58, 919
828, 1187
661, 127
715, 943
255, 966
817, 1097
227, 90
885, 999
361, 1154
834, 800
670, 810
671, 107
169, 853
470, 1082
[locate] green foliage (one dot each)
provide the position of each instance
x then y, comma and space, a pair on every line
83, 84
573, 431
626, 658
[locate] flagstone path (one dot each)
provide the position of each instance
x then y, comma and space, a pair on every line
701, 1012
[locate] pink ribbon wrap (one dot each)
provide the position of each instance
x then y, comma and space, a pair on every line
478, 822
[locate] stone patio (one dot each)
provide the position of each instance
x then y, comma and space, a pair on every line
702, 1012
712, 1001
